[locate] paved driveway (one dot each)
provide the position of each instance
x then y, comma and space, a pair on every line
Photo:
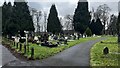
5, 55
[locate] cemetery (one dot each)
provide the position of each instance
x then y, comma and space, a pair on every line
88, 37
44, 48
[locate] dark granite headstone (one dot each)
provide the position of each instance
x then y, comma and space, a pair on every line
105, 51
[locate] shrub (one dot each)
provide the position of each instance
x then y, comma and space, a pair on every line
88, 32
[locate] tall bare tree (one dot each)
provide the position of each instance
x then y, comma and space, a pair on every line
38, 16
68, 22
103, 13
45, 22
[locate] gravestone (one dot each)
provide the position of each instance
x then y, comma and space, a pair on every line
93, 35
55, 37
83, 36
17, 39
66, 38
36, 38
105, 51
44, 37
80, 35
48, 44
65, 42
61, 40
45, 43
74, 37
30, 39
69, 37
50, 37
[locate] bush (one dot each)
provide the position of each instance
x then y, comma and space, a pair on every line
88, 32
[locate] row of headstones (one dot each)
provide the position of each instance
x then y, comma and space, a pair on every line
68, 37
54, 37
64, 38
26, 48
46, 37
61, 38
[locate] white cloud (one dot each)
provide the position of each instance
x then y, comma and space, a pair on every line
66, 6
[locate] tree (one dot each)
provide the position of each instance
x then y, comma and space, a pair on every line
4, 9
81, 17
96, 27
22, 16
38, 16
68, 22
92, 26
53, 24
88, 32
0, 21
45, 23
7, 19
112, 27
118, 27
103, 13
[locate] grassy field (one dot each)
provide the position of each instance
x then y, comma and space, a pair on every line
111, 59
42, 52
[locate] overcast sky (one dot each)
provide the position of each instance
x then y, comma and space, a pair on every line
65, 7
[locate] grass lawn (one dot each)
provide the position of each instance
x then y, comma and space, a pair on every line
111, 59
41, 52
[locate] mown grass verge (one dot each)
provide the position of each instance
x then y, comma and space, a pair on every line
99, 59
